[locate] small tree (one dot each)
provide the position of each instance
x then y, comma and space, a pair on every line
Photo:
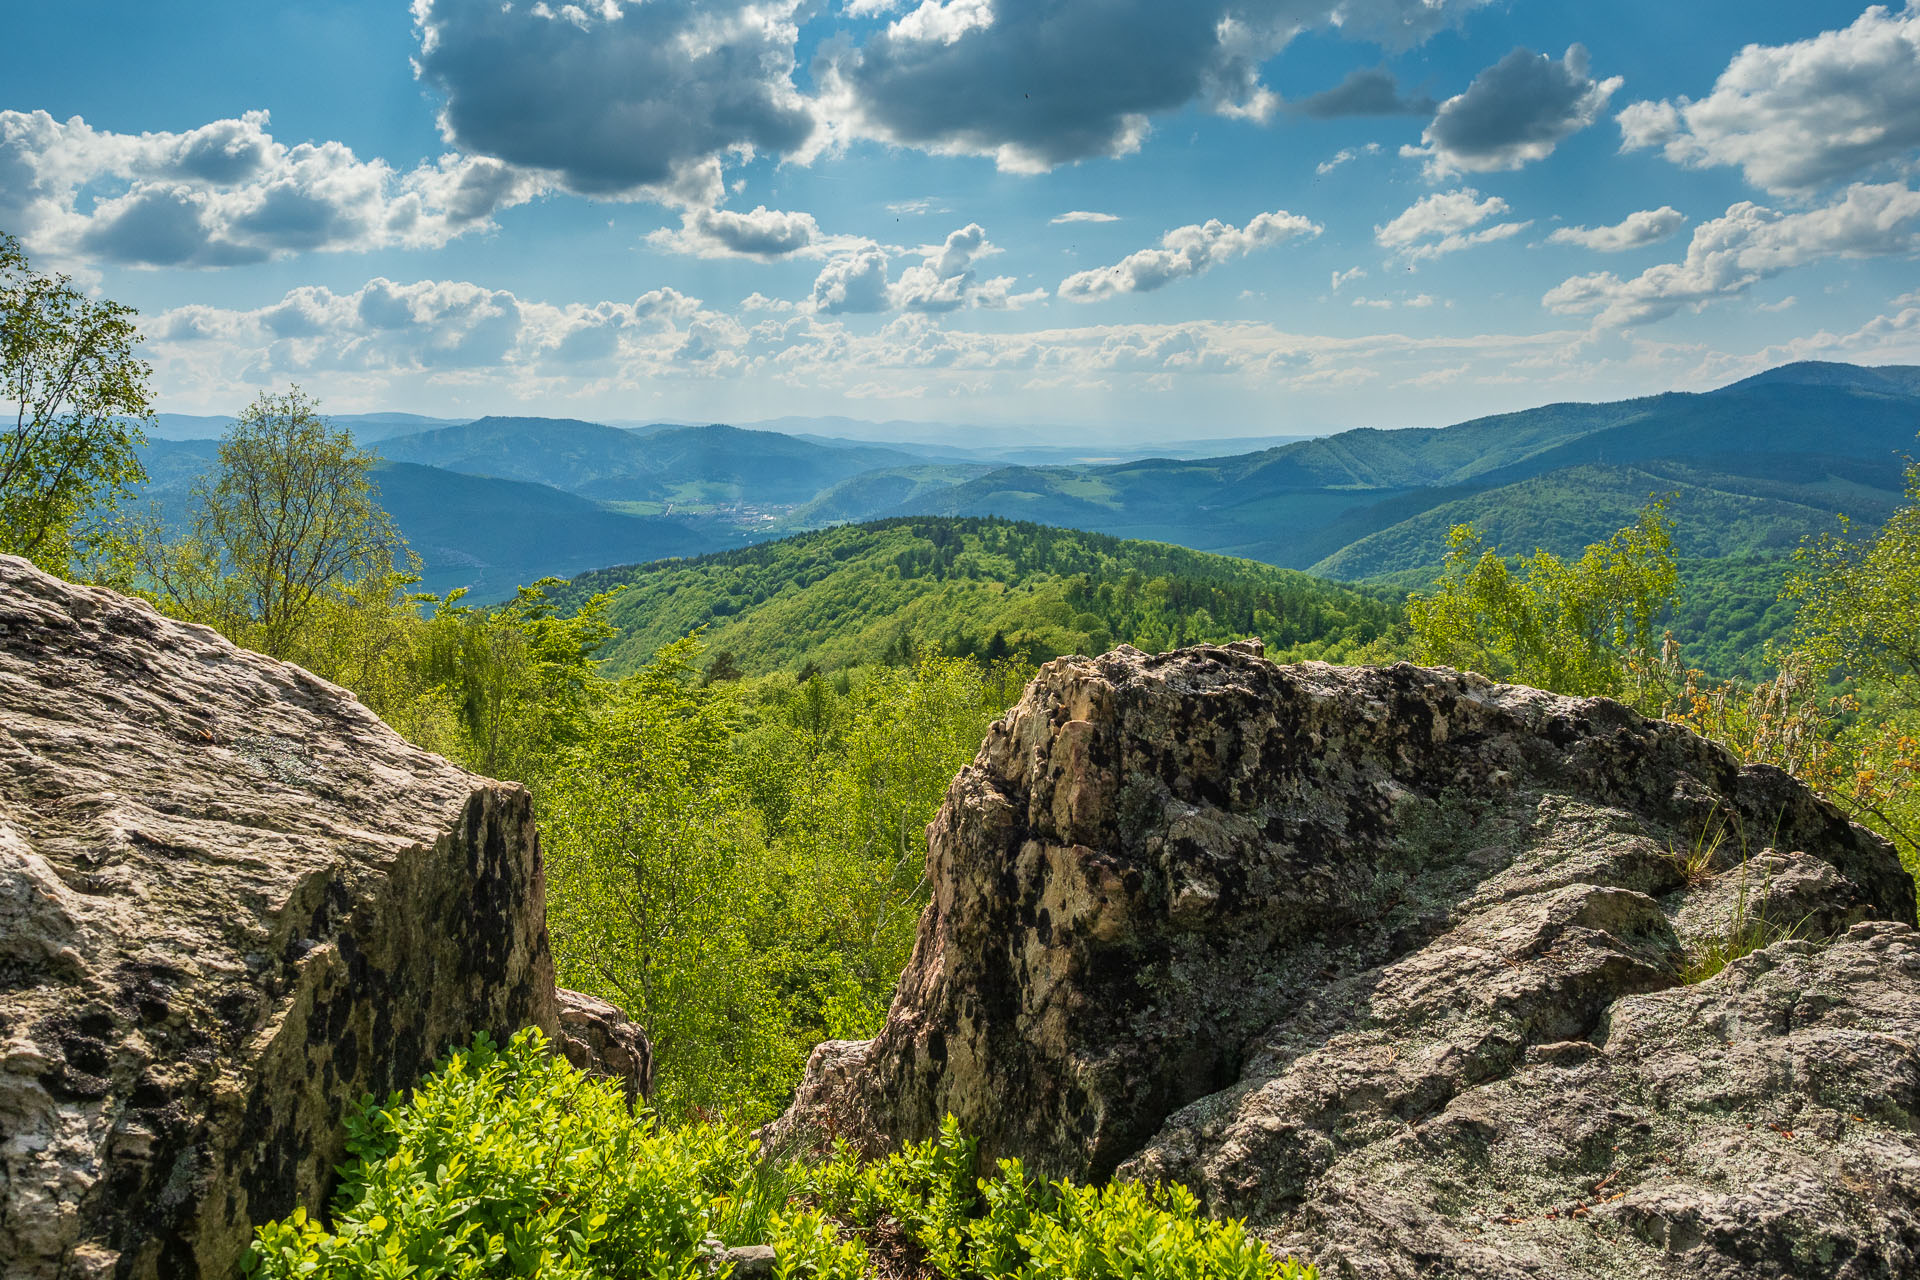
79, 401
520, 678
1583, 628
287, 518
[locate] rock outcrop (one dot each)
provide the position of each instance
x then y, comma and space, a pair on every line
600, 1039
1394, 963
231, 902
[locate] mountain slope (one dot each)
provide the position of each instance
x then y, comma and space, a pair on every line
1716, 512
686, 465
1302, 503
876, 592
493, 536
486, 534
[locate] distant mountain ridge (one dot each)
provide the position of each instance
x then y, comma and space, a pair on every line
1754, 467
687, 465
1299, 505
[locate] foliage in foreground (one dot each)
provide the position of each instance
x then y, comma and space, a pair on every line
509, 1162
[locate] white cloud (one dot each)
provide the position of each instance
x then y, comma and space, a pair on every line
1184, 251
857, 279
1516, 111
1797, 116
1346, 155
763, 233
229, 193
1341, 278
1748, 244
1083, 215
1438, 224
1631, 232
457, 342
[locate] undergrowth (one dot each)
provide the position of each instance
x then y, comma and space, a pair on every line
1747, 928
510, 1162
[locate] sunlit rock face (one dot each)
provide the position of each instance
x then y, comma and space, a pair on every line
1393, 963
231, 903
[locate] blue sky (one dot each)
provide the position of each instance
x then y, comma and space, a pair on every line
1208, 218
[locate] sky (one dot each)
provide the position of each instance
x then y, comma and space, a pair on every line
1204, 218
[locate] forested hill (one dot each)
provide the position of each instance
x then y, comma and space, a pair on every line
883, 591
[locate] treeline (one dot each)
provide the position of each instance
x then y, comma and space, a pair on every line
892, 590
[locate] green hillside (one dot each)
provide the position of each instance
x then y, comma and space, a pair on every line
1301, 504
1772, 503
877, 592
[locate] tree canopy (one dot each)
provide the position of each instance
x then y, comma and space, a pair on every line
79, 401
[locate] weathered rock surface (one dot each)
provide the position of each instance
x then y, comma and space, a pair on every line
600, 1039
231, 902
1390, 962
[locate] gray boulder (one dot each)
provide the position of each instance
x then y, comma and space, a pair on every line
1391, 962
231, 902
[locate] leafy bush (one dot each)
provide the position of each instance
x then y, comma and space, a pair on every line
1014, 1227
509, 1162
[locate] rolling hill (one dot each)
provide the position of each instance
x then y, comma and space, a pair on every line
485, 534
699, 467
493, 536
880, 591
1826, 444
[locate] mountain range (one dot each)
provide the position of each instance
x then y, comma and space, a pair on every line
1751, 468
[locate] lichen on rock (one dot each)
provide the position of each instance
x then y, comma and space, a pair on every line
231, 903
1390, 961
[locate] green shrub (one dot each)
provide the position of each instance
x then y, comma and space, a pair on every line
1014, 1227
509, 1162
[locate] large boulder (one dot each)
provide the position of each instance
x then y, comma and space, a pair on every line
231, 903
1410, 969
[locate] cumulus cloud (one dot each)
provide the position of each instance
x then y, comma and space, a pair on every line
1797, 116
455, 342
1631, 232
1184, 251
857, 280
229, 193
614, 97
1516, 111
1748, 244
1083, 215
763, 233
1036, 86
1442, 223
1347, 277
1366, 92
